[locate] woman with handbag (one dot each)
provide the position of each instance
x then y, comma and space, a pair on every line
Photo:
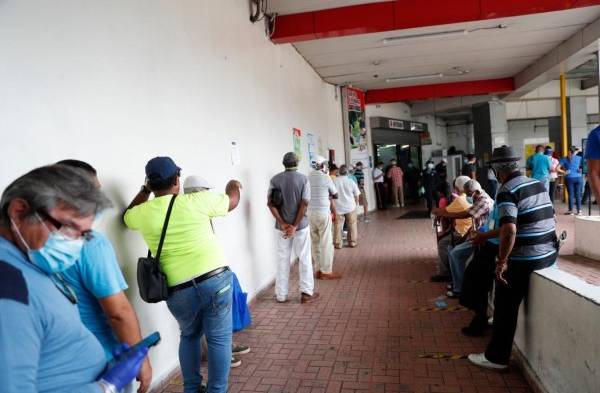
188, 270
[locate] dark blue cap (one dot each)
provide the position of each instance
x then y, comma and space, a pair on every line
161, 168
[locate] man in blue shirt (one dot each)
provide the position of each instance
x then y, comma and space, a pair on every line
45, 217
592, 156
99, 284
572, 165
539, 164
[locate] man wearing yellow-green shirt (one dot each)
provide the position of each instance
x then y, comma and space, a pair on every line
192, 258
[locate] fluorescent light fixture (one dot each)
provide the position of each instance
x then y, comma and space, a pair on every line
414, 77
405, 146
438, 34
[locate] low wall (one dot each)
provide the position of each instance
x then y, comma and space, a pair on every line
587, 239
558, 333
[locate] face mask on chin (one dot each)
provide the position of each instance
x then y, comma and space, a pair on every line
57, 254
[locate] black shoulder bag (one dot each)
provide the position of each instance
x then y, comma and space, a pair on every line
152, 282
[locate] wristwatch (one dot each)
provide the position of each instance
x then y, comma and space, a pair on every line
145, 189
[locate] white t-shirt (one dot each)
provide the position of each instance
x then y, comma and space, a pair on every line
377, 172
321, 188
347, 191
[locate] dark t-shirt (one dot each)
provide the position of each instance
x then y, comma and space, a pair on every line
468, 169
294, 188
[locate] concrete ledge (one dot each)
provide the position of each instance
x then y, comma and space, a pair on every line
586, 236
556, 342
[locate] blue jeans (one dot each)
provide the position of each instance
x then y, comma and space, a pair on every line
204, 309
457, 258
574, 185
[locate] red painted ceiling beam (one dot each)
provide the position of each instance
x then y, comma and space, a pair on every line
406, 14
410, 93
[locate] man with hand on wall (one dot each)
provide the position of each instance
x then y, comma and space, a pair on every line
320, 208
192, 258
288, 198
99, 285
527, 242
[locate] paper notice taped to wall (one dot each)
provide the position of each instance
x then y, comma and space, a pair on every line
235, 153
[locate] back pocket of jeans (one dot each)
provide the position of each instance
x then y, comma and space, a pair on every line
221, 299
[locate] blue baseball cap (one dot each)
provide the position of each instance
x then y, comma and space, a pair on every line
161, 168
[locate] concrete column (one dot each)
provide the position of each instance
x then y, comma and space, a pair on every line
578, 120
490, 130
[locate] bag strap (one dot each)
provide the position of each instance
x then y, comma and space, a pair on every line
164, 230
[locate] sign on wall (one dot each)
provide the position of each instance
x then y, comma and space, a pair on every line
355, 124
297, 141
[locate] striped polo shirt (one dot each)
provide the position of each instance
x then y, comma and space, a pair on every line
525, 202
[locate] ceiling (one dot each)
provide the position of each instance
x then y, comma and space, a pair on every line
365, 61
284, 7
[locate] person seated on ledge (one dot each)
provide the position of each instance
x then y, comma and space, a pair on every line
453, 234
527, 241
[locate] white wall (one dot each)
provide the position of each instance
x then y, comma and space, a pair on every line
460, 136
438, 132
116, 83
558, 332
521, 132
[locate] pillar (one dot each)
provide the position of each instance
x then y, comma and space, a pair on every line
490, 130
578, 120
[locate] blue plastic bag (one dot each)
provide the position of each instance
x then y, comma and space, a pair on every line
239, 307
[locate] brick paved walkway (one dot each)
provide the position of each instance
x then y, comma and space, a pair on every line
362, 336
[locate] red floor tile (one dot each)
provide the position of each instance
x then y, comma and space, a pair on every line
362, 335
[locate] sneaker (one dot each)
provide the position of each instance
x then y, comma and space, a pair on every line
440, 278
449, 287
240, 349
306, 298
479, 359
579, 213
453, 295
568, 213
366, 221
281, 300
329, 276
235, 362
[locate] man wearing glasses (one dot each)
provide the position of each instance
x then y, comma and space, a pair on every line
45, 218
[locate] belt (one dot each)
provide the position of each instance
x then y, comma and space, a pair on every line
197, 280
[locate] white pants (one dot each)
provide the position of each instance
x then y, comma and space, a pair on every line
321, 241
300, 244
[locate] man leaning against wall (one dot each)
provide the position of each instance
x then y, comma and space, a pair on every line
192, 258
99, 285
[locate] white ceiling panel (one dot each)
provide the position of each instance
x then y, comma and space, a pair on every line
283, 7
487, 54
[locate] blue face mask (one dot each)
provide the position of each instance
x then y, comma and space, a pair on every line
56, 255
470, 200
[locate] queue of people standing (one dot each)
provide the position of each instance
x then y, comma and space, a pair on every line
67, 326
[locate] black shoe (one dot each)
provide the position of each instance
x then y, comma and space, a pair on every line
440, 278
476, 328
